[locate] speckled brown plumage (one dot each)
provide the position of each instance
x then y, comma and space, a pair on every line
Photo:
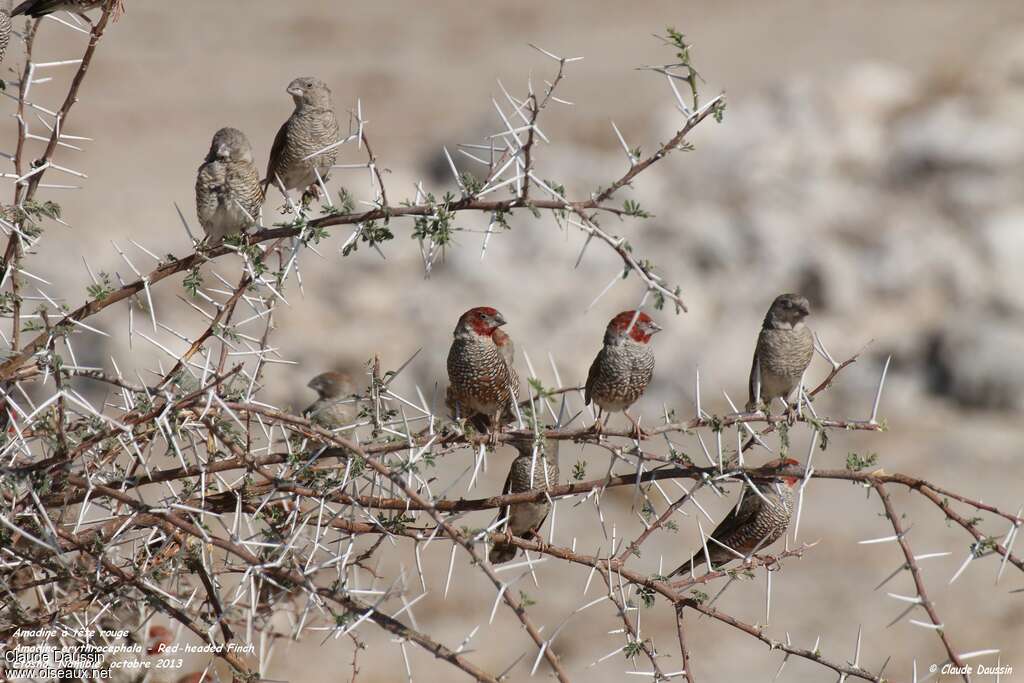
480, 420
228, 191
334, 406
625, 364
528, 471
5, 33
784, 350
311, 127
480, 378
753, 524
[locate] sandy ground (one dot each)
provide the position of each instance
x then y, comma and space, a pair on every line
171, 73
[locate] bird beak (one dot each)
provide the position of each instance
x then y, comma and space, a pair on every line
297, 92
655, 327
313, 384
499, 320
224, 151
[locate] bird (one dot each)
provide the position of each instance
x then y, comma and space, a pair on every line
534, 468
481, 376
334, 406
480, 421
5, 33
623, 367
228, 191
40, 8
784, 349
757, 522
300, 151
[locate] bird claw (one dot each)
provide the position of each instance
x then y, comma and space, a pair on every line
311, 194
639, 432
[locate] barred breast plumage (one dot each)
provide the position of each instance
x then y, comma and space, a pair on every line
5, 33
228, 191
305, 134
481, 381
757, 522
624, 366
296, 156
619, 375
528, 471
228, 198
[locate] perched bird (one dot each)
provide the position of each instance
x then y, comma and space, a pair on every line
300, 148
784, 349
757, 522
5, 33
481, 421
623, 367
480, 373
334, 406
40, 8
530, 470
228, 191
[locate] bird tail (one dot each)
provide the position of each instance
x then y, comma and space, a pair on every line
501, 553
689, 565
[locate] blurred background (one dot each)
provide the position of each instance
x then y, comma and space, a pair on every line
871, 158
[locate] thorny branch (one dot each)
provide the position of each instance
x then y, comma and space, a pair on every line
260, 510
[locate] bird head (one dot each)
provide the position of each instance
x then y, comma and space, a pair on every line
548, 448
230, 144
779, 463
331, 384
308, 91
787, 311
482, 321
633, 325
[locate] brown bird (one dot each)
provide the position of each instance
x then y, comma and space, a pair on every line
228, 192
529, 471
300, 148
784, 349
480, 374
5, 33
335, 405
754, 523
40, 8
623, 367
480, 421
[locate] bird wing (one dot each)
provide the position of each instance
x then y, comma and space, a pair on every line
505, 490
275, 154
739, 516
753, 385
592, 377
37, 8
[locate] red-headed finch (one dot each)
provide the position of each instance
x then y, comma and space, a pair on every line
759, 520
623, 367
784, 350
480, 373
532, 469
